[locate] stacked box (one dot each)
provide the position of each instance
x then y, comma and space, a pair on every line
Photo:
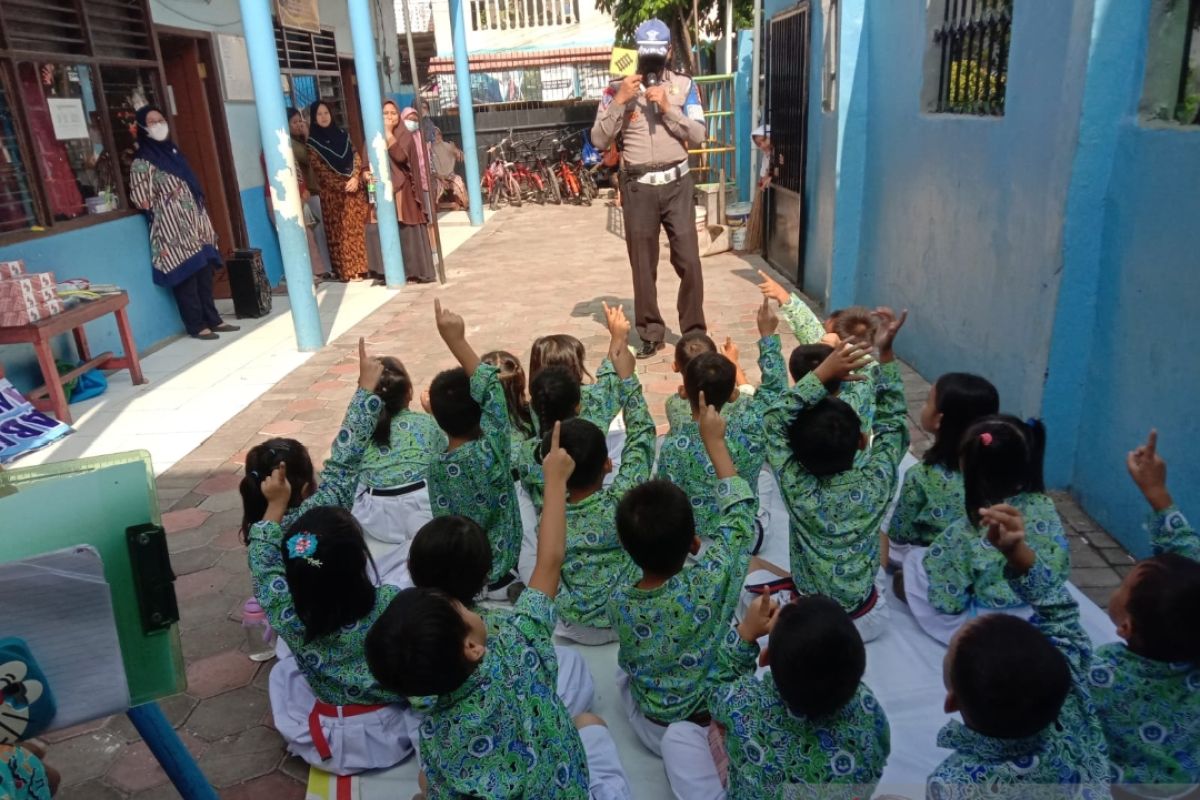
11, 269
28, 298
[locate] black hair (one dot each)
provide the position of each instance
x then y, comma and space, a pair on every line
691, 345
962, 399
450, 400
1010, 681
555, 396
714, 375
1001, 456
806, 358
588, 448
395, 389
415, 648
261, 461
855, 323
332, 587
451, 554
817, 656
559, 350
656, 526
1164, 601
512, 378
825, 437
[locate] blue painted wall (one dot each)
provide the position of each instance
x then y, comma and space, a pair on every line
962, 217
820, 178
114, 252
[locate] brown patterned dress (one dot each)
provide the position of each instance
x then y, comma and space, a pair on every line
345, 216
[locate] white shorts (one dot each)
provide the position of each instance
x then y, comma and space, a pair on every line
390, 523
615, 439
529, 533
938, 625
871, 625
606, 775
648, 733
372, 740
585, 634
688, 760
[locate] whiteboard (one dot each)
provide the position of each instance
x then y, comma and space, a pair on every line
235, 69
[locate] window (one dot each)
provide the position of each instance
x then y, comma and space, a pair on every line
967, 63
309, 63
831, 15
1171, 92
72, 73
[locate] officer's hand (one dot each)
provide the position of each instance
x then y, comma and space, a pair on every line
628, 89
658, 96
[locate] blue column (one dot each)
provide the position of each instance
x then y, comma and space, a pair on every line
466, 112
747, 183
281, 172
371, 100
172, 756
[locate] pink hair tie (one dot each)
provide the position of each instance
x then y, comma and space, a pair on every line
986, 439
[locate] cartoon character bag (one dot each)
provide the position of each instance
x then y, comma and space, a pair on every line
26, 703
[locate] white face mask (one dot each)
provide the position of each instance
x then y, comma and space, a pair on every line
412, 125
158, 131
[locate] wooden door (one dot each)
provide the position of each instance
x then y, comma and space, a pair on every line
353, 106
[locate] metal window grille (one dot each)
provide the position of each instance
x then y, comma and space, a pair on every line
112, 30
18, 205
305, 51
508, 15
787, 97
973, 37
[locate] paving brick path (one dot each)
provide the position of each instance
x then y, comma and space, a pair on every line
529, 271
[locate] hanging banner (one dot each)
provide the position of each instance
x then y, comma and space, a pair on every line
300, 14
23, 428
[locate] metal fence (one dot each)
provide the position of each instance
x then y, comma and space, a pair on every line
720, 143
974, 38
507, 15
522, 77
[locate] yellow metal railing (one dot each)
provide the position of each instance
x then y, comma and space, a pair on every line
720, 146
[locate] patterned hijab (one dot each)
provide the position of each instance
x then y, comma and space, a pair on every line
331, 143
165, 155
410, 112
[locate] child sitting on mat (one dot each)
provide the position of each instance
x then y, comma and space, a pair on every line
960, 575
1028, 728
670, 621
834, 499
1147, 690
496, 727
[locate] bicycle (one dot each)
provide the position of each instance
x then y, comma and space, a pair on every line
542, 167
567, 173
498, 181
532, 183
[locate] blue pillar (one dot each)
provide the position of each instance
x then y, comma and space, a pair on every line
466, 112
172, 756
851, 149
747, 183
281, 172
371, 100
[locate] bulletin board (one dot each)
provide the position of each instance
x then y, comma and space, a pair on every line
236, 83
93, 501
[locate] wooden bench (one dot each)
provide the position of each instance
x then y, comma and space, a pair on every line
40, 334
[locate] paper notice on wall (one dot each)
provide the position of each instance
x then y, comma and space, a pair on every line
302, 14
68, 117
235, 68
23, 428
558, 83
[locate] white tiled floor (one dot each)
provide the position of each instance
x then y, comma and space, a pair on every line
195, 387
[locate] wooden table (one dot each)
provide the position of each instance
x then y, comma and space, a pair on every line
40, 334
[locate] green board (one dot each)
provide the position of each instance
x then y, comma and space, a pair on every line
92, 501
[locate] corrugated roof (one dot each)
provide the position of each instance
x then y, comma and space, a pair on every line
516, 59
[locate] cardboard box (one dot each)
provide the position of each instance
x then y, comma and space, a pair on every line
30, 287
30, 313
11, 269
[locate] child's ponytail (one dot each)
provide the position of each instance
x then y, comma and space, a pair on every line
396, 390
512, 378
261, 460
1001, 457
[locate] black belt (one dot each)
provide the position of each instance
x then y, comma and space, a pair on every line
505, 581
638, 170
397, 491
701, 718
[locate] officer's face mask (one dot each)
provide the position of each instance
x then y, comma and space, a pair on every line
652, 61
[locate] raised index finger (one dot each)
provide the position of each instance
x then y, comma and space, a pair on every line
554, 436
362, 349
437, 306
1152, 443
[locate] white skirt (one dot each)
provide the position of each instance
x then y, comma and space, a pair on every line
371, 740
938, 625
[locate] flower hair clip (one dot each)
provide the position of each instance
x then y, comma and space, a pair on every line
985, 439
303, 545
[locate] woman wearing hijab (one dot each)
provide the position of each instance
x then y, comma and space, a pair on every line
318, 249
405, 153
183, 244
338, 170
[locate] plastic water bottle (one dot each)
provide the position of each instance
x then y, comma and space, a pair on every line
260, 638
371, 188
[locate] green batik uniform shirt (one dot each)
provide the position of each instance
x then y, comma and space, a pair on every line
505, 732
684, 461
669, 635
333, 665
964, 569
595, 561
475, 480
931, 498
1068, 759
415, 441
776, 753
835, 519
1150, 709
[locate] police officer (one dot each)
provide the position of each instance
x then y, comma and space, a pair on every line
658, 116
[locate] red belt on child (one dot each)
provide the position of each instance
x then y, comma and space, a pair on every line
327, 710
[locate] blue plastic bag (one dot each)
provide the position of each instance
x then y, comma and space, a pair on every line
91, 384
